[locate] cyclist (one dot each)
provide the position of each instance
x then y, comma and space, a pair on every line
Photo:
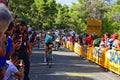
48, 41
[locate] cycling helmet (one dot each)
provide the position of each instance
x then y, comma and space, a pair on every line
48, 33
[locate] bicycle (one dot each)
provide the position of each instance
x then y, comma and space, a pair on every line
49, 56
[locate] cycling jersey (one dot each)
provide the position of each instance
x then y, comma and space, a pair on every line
48, 39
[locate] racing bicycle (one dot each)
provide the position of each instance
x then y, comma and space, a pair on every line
49, 56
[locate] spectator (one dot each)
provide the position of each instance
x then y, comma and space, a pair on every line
6, 2
89, 40
5, 19
12, 73
113, 42
116, 42
32, 39
107, 38
102, 43
96, 41
30, 28
16, 28
9, 48
17, 39
79, 39
25, 49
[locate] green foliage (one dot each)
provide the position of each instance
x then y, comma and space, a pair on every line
19, 7
112, 19
47, 14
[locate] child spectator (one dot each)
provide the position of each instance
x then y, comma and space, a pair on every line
12, 73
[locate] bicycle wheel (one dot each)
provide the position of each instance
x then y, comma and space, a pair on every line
49, 60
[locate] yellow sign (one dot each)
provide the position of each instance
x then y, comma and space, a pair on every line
94, 26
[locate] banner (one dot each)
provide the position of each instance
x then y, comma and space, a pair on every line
84, 51
97, 54
114, 60
89, 53
108, 59
78, 49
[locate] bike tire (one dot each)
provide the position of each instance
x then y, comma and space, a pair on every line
49, 60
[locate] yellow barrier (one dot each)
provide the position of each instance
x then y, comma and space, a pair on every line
67, 44
114, 60
84, 51
107, 59
77, 49
71, 47
90, 53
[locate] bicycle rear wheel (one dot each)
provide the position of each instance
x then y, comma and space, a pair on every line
49, 60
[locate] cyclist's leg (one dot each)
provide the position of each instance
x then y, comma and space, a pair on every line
51, 58
51, 52
45, 54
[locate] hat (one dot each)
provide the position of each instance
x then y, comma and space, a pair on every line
5, 2
115, 36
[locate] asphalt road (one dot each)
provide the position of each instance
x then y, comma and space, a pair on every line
67, 66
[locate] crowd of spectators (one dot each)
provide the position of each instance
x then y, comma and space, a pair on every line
16, 43
15, 46
107, 41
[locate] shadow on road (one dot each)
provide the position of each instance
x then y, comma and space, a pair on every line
62, 63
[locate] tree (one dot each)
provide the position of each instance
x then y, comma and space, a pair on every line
47, 14
113, 19
47, 11
19, 7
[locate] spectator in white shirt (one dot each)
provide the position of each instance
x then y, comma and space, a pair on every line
12, 73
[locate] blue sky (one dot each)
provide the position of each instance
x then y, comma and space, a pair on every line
68, 2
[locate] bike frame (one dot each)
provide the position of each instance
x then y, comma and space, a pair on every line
49, 57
